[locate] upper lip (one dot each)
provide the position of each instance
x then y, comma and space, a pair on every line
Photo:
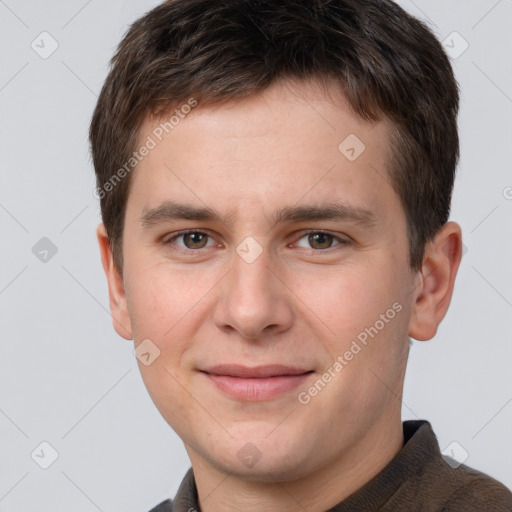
273, 370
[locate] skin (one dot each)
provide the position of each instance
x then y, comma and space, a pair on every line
299, 303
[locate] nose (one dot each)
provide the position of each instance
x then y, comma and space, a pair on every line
253, 300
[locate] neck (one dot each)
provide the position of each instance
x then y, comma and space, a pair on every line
317, 492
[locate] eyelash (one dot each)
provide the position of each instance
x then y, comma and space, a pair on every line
172, 247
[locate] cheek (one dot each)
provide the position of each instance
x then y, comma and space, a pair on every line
167, 306
160, 297
348, 299
373, 356
365, 322
377, 323
375, 373
162, 305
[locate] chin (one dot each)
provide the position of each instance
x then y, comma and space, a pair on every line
263, 471
265, 461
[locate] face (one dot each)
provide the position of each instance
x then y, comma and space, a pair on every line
262, 237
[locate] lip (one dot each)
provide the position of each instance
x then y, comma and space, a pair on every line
260, 372
256, 383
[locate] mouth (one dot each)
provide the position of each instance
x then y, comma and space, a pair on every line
256, 383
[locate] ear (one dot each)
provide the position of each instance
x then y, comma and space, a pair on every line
116, 292
436, 281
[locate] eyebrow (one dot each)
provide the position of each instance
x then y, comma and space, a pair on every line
171, 211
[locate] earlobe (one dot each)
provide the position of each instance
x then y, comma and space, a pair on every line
116, 291
436, 282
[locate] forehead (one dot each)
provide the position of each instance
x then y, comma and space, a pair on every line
290, 143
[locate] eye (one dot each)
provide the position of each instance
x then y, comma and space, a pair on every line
321, 240
192, 240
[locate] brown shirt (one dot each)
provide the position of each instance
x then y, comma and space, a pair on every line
418, 479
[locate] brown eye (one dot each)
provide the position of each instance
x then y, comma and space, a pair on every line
195, 240
189, 242
320, 240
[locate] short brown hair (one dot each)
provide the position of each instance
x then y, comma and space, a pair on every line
386, 62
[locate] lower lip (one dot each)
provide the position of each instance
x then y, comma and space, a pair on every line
257, 388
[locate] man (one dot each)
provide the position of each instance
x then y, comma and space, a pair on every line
275, 182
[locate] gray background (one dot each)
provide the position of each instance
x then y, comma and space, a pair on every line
68, 379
